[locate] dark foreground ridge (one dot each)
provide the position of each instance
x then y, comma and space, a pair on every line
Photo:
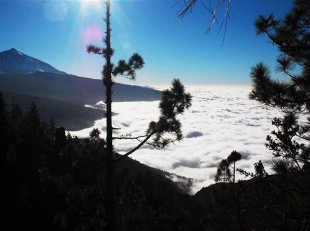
52, 181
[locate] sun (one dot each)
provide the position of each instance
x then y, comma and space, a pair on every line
90, 4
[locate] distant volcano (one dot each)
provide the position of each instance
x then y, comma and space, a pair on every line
14, 61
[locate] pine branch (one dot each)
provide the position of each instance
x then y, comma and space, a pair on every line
94, 49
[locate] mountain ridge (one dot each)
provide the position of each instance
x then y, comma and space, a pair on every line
60, 95
14, 61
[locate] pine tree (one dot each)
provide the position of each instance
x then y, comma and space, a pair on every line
223, 172
292, 37
232, 159
174, 102
94, 134
290, 142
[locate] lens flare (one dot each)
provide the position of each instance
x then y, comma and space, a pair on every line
92, 34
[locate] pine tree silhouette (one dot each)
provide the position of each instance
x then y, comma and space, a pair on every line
291, 36
223, 172
232, 159
174, 102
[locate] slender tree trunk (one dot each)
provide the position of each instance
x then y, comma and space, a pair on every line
110, 163
234, 171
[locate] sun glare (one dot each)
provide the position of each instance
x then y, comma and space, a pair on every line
90, 5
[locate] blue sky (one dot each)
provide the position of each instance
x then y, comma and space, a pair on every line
58, 31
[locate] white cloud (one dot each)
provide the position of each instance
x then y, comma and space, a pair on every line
221, 119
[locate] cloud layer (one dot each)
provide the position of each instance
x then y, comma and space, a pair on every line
221, 119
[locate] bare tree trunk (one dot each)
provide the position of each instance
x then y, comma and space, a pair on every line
234, 171
110, 163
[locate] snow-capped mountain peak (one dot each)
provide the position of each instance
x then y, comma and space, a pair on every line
14, 61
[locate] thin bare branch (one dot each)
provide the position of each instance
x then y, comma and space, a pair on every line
135, 148
129, 137
188, 6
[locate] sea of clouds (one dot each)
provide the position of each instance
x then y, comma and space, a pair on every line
220, 120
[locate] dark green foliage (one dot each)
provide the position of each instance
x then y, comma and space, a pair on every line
167, 129
290, 141
291, 35
232, 159
56, 182
140, 192
260, 169
245, 173
128, 69
285, 145
28, 141
83, 186
223, 172
220, 206
174, 102
266, 205
261, 203
282, 167
94, 134
60, 110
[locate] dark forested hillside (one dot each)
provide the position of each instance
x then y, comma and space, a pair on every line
63, 97
72, 116
52, 181
73, 89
